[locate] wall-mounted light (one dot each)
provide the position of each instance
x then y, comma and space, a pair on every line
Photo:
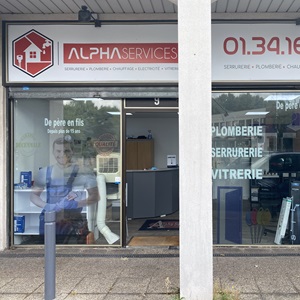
84, 15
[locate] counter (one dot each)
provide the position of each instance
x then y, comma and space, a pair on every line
152, 193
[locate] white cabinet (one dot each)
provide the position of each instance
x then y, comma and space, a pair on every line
24, 207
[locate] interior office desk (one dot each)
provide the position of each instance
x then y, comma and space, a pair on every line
152, 193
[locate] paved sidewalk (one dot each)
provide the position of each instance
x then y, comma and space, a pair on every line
95, 274
262, 273
149, 273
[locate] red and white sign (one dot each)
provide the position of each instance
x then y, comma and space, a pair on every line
32, 53
256, 52
83, 53
149, 53
105, 144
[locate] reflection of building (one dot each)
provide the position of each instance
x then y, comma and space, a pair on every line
281, 130
242, 118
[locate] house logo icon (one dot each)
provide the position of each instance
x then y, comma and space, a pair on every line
32, 53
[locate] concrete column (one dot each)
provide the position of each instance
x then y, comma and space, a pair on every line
194, 36
3, 159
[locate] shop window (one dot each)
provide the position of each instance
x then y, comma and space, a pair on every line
256, 167
66, 157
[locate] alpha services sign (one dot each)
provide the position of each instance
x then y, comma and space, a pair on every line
84, 53
146, 53
150, 53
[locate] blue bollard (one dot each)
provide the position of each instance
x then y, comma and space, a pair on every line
50, 246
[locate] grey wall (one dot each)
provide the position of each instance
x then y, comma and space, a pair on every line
3, 164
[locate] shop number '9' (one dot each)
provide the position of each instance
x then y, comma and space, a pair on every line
232, 46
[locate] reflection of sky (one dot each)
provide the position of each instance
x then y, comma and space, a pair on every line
100, 103
269, 98
108, 103
266, 96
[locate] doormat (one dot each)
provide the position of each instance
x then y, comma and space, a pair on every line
154, 241
160, 225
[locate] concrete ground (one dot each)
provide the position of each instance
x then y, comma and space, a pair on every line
150, 273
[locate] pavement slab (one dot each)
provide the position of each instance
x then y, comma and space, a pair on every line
150, 273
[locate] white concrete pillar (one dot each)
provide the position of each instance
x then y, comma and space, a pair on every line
3, 159
194, 37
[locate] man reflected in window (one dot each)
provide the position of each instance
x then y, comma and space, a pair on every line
69, 188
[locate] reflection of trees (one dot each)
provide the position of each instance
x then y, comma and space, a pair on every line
236, 102
96, 120
229, 102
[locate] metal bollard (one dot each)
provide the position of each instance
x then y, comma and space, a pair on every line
50, 246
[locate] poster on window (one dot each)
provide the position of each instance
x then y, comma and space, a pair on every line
67, 156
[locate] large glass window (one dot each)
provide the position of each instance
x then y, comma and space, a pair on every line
67, 159
256, 168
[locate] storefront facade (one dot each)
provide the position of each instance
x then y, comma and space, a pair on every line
254, 115
253, 129
90, 117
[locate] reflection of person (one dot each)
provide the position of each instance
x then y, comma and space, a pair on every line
89, 153
69, 187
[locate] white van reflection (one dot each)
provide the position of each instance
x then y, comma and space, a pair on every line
271, 164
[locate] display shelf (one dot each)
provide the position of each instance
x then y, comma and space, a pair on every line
20, 212
31, 230
24, 207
